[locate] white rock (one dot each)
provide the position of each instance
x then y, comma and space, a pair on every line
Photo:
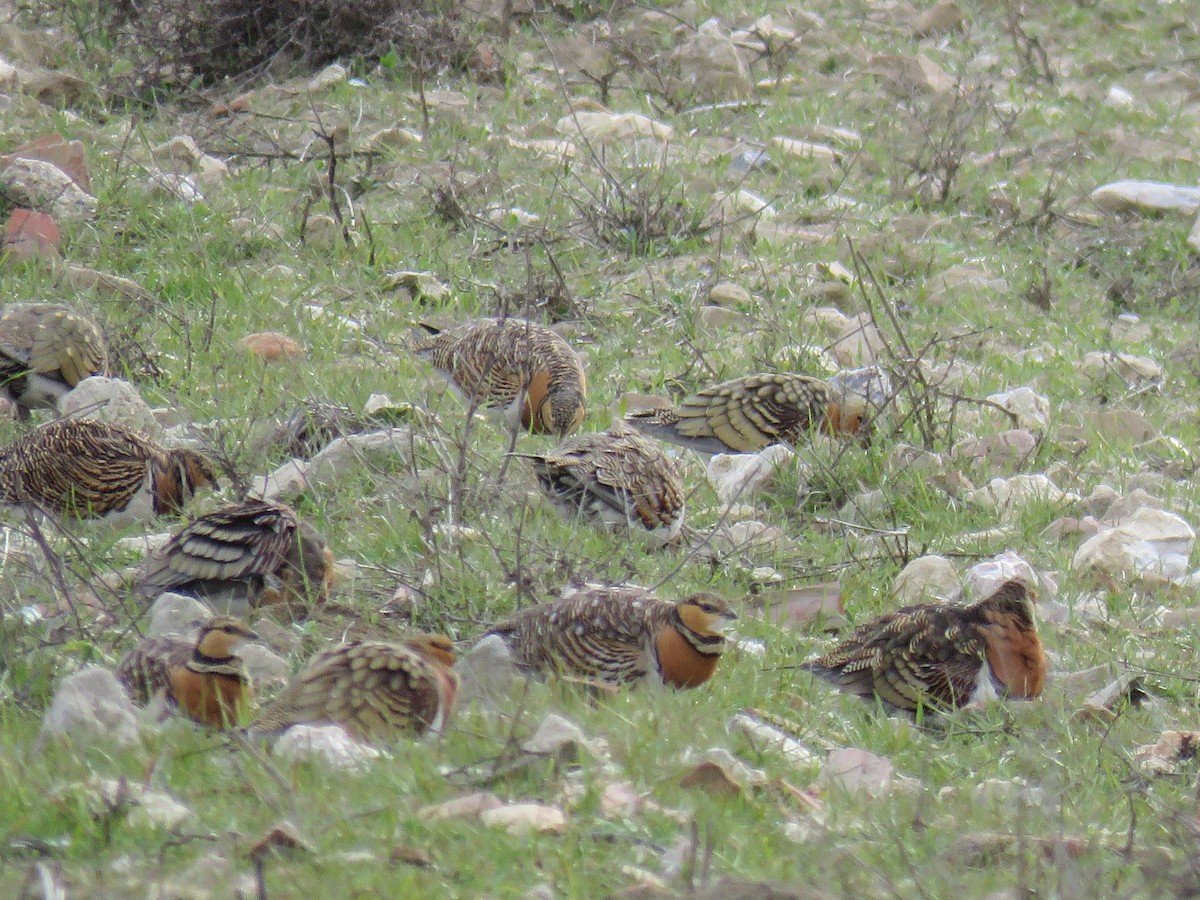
984, 578
761, 734
177, 614
604, 126
1009, 496
91, 705
10, 78
182, 147
743, 207
1119, 98
859, 343
345, 454
1135, 370
173, 184
856, 772
211, 171
807, 149
711, 65
1194, 236
1031, 409
1147, 196
110, 400
738, 476
523, 818
560, 738
158, 810
486, 671
1151, 543
265, 667
738, 771
926, 578
329, 745
328, 77
44, 186
287, 482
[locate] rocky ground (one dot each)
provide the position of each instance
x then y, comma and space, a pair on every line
994, 203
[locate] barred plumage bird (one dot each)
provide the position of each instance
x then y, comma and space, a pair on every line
617, 478
620, 634
942, 655
526, 371
747, 414
244, 555
204, 679
92, 469
45, 350
376, 691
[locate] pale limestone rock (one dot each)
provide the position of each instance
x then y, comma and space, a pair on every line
1031, 409
91, 705
43, 186
605, 126
926, 578
1009, 496
177, 614
328, 745
711, 65
487, 670
984, 578
1152, 543
856, 772
1147, 196
737, 476
110, 400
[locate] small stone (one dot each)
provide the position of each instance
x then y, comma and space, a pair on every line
41, 185
717, 317
1136, 371
329, 745
1010, 496
1152, 544
328, 77
727, 294
181, 148
710, 65
523, 818
177, 186
110, 400
1147, 197
917, 72
466, 806
605, 126
178, 615
1193, 238
211, 171
736, 476
487, 670
271, 346
1031, 409
926, 578
91, 706
393, 138
559, 738
418, 284
942, 17
68, 156
985, 578
809, 150
856, 772
322, 232
859, 343
29, 234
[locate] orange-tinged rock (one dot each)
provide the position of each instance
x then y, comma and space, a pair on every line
29, 234
271, 346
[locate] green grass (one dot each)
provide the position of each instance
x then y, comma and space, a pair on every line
1029, 771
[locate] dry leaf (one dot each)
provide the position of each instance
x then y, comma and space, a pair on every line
1165, 756
411, 856
271, 346
283, 837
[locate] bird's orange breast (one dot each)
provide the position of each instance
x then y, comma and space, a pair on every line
679, 662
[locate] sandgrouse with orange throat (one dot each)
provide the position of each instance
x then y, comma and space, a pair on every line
942, 655
620, 634
526, 371
204, 679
